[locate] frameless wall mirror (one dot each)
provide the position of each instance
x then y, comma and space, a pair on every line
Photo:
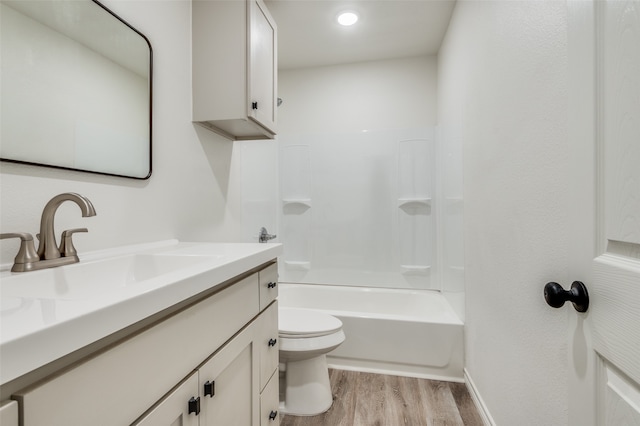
75, 88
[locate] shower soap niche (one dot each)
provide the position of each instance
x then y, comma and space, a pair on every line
297, 265
412, 203
415, 270
298, 202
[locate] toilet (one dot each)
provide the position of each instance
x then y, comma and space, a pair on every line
305, 337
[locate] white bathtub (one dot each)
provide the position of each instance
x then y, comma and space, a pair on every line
402, 332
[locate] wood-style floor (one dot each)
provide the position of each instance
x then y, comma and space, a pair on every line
364, 399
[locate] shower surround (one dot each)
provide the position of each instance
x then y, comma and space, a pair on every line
357, 209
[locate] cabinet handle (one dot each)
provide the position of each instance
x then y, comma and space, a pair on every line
271, 285
210, 388
254, 105
272, 342
273, 415
194, 405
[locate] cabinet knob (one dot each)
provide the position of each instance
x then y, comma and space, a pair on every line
272, 342
194, 405
210, 388
254, 105
271, 285
273, 415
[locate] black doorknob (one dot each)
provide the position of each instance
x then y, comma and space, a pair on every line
555, 295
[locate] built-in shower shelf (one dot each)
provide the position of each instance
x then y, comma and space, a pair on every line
414, 202
415, 269
305, 202
297, 265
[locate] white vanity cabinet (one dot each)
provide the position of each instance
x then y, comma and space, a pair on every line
234, 65
220, 392
207, 363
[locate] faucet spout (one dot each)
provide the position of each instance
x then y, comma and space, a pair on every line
48, 248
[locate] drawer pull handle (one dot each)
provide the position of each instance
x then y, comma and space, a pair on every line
273, 415
194, 405
272, 342
210, 388
271, 285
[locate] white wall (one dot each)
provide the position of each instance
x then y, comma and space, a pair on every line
195, 190
399, 93
502, 92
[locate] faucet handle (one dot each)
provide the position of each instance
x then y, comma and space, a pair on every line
264, 235
26, 254
66, 245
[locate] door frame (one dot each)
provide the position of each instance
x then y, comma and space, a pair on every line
582, 205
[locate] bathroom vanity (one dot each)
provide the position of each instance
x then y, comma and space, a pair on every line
189, 334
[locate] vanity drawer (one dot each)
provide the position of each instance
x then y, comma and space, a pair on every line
268, 344
269, 403
268, 285
115, 386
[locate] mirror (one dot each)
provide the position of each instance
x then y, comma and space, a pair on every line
75, 88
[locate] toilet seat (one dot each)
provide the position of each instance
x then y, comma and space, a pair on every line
303, 323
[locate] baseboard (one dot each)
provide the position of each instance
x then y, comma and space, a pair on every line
477, 400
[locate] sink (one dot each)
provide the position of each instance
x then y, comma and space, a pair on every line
94, 279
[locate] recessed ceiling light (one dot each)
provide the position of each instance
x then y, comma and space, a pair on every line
347, 18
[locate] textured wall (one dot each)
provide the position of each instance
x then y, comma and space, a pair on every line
502, 91
194, 192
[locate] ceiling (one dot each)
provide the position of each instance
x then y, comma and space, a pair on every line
309, 36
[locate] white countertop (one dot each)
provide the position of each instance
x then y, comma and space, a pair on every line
37, 327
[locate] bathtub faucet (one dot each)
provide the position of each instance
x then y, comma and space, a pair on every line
264, 235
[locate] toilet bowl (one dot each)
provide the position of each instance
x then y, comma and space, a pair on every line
305, 337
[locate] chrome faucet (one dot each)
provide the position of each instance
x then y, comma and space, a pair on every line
49, 254
264, 236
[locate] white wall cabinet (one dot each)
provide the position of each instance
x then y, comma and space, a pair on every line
211, 363
234, 66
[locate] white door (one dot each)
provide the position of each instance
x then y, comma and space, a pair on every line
604, 132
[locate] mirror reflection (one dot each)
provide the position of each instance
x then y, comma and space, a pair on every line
75, 88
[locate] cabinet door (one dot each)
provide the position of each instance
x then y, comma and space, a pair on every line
174, 410
269, 403
268, 280
262, 65
229, 384
267, 342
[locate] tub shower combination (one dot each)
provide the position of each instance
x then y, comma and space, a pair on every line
360, 243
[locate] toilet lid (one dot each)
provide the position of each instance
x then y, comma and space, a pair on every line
294, 322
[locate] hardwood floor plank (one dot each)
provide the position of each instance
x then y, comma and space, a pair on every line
343, 387
365, 399
415, 409
371, 405
466, 407
443, 410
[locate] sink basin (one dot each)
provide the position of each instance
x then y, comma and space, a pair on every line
93, 279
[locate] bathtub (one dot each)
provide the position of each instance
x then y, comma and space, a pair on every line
401, 332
